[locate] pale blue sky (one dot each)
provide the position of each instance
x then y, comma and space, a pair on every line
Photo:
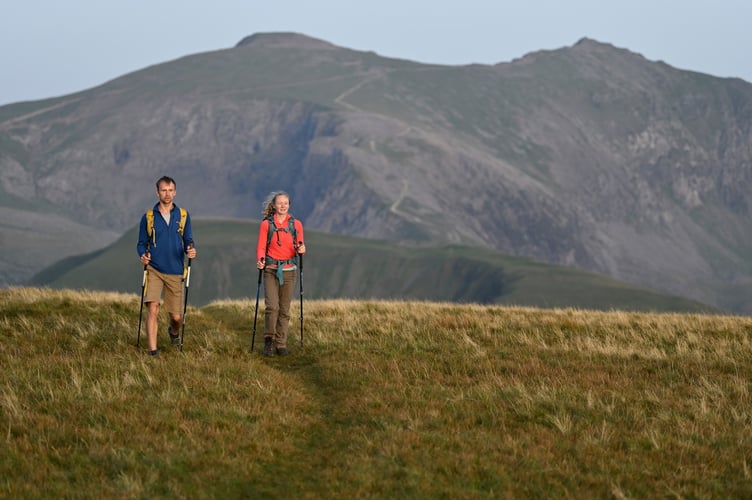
55, 47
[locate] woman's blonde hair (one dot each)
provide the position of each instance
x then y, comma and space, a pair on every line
268, 205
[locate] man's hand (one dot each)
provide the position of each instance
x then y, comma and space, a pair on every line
145, 258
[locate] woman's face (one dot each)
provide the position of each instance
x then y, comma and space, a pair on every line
281, 204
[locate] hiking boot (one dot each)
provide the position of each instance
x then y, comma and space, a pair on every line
154, 353
268, 347
174, 339
281, 351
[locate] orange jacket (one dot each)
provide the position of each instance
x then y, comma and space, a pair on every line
281, 247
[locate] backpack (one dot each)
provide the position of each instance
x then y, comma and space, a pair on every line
150, 223
274, 229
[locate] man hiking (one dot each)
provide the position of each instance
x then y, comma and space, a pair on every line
165, 238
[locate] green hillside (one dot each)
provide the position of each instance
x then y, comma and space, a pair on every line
346, 267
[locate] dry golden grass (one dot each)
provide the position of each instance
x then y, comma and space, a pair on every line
384, 399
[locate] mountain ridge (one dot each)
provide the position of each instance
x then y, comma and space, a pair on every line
588, 156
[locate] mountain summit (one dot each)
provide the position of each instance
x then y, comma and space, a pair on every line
285, 40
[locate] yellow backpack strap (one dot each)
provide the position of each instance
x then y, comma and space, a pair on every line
183, 217
181, 228
150, 225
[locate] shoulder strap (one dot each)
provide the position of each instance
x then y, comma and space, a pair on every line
270, 231
183, 217
150, 222
293, 230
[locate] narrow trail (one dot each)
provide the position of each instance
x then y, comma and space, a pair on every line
394, 208
8, 123
340, 98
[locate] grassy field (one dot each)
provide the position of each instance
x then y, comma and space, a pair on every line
385, 399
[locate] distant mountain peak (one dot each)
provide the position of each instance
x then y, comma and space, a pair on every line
590, 58
590, 42
284, 39
588, 45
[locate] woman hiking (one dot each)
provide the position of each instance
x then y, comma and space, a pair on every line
280, 240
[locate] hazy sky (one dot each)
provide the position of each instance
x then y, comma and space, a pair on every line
54, 47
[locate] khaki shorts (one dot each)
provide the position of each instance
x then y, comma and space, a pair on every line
173, 289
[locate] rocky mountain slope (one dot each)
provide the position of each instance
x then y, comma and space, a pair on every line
588, 156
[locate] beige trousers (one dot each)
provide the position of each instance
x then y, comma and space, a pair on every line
277, 305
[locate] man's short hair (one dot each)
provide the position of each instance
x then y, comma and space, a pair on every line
167, 179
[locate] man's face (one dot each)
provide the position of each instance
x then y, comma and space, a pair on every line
166, 193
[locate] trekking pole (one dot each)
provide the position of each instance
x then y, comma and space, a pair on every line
185, 301
300, 264
141, 309
255, 314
